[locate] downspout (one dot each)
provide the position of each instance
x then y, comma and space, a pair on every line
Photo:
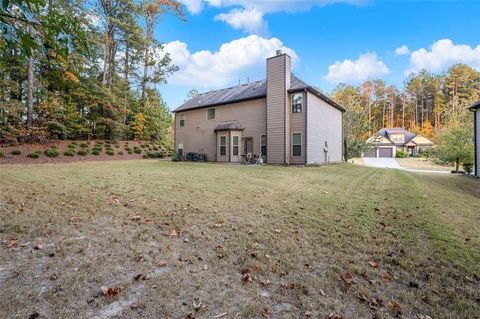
229, 146
285, 94
475, 142
306, 126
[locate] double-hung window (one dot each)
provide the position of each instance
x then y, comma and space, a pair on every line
297, 101
263, 145
223, 146
181, 118
297, 144
235, 145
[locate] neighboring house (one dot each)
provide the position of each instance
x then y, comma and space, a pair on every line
476, 127
387, 141
281, 118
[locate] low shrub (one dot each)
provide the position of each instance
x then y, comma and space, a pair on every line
120, 153
95, 152
117, 146
176, 157
128, 149
83, 152
137, 151
110, 152
35, 154
1, 154
401, 154
72, 145
69, 152
84, 145
52, 152
16, 152
145, 156
99, 142
129, 152
108, 145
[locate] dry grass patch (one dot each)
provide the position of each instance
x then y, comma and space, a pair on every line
156, 239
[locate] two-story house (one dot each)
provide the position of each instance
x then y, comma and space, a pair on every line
281, 118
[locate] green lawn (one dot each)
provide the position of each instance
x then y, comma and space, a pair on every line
188, 240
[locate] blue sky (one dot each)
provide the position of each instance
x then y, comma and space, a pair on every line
331, 41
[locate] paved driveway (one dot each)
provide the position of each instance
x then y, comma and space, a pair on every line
390, 162
383, 162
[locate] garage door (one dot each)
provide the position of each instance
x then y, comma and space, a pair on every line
370, 153
385, 152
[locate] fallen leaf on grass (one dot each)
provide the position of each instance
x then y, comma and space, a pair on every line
266, 312
38, 247
373, 263
347, 278
12, 242
134, 305
333, 315
174, 233
162, 263
308, 314
110, 291
246, 277
395, 308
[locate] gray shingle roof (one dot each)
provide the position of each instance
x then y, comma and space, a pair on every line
244, 92
386, 132
475, 105
229, 126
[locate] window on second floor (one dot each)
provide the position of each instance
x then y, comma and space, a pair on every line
181, 118
211, 114
297, 101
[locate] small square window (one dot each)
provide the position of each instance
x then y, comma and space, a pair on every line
297, 100
210, 114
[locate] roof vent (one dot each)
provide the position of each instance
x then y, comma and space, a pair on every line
279, 52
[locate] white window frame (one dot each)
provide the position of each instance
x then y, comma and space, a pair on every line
220, 145
261, 145
180, 148
301, 144
214, 113
181, 117
237, 145
294, 108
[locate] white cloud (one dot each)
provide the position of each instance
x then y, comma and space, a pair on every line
367, 66
236, 59
444, 53
248, 20
193, 6
403, 50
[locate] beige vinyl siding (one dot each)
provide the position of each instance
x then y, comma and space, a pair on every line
297, 125
277, 73
477, 114
198, 133
324, 123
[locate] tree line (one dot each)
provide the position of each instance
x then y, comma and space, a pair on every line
429, 104
73, 70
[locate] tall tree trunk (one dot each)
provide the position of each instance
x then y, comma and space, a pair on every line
127, 83
146, 59
30, 91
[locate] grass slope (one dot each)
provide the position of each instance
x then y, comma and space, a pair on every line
199, 240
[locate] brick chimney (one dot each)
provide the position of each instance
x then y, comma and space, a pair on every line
278, 115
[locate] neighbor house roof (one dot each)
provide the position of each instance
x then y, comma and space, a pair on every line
475, 105
387, 132
245, 92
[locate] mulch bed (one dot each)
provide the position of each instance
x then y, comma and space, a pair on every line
26, 149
